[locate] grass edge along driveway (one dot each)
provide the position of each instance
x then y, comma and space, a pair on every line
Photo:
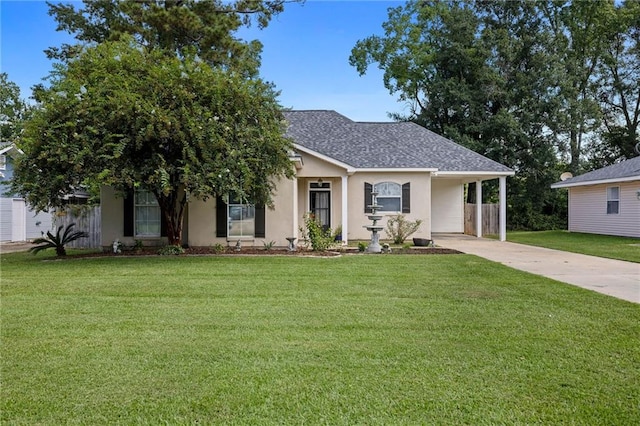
608, 246
364, 339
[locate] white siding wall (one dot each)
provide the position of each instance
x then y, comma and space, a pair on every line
447, 207
32, 223
588, 210
6, 218
37, 223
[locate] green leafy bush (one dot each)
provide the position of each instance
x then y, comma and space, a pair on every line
170, 250
58, 241
399, 228
137, 245
217, 248
320, 239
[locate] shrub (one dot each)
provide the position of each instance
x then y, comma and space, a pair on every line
268, 245
58, 241
362, 247
218, 248
399, 228
320, 239
170, 250
137, 245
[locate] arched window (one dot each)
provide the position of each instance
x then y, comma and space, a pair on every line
389, 196
392, 197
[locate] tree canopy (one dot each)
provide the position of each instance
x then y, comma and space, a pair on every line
160, 96
174, 26
173, 126
13, 111
528, 84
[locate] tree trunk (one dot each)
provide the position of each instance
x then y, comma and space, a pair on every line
575, 151
172, 208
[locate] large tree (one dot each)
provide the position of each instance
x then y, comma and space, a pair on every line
138, 118
13, 111
619, 89
174, 26
158, 95
478, 73
513, 80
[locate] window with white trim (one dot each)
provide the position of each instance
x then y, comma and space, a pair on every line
613, 200
146, 214
241, 218
389, 196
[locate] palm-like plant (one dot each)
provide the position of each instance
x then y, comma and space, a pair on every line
58, 241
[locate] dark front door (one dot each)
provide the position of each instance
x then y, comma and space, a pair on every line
320, 207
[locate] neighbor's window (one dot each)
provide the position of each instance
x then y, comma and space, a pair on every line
147, 214
613, 200
242, 218
389, 196
3, 162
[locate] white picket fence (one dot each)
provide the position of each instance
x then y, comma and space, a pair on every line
86, 218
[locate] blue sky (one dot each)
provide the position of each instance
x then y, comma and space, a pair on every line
306, 51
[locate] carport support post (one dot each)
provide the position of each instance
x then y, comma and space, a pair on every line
345, 210
479, 208
503, 208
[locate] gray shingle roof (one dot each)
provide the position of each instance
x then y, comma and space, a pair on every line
382, 145
624, 169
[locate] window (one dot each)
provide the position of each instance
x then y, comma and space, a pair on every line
392, 197
241, 219
389, 196
3, 162
613, 200
147, 214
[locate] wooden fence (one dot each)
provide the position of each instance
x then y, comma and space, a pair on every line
490, 219
86, 218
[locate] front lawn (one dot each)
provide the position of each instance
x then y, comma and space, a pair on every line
612, 247
361, 339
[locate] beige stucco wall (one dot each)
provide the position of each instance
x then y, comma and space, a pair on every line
200, 220
112, 221
420, 202
291, 202
111, 216
279, 221
315, 167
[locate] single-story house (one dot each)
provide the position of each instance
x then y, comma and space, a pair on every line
338, 163
605, 201
17, 221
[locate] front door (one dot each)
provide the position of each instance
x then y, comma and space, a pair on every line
320, 207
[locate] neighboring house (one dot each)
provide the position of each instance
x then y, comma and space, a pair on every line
338, 163
606, 201
17, 221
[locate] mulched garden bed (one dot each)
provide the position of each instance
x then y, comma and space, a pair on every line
259, 251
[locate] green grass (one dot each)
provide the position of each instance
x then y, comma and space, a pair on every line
612, 247
365, 339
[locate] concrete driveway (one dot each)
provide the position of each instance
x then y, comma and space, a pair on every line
612, 277
12, 247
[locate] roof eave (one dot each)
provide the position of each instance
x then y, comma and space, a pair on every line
475, 173
12, 151
347, 167
594, 182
